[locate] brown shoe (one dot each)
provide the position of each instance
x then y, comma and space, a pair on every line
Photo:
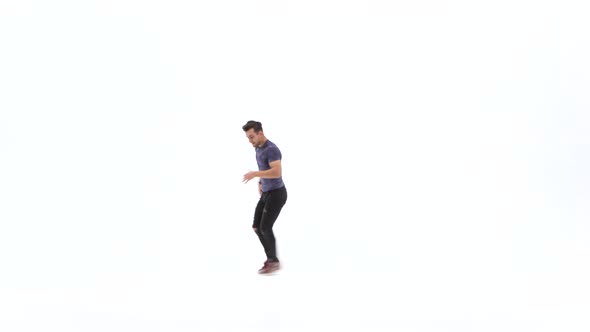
269, 267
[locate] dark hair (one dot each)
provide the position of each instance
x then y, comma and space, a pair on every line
257, 126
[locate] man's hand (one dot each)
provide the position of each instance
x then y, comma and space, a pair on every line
249, 176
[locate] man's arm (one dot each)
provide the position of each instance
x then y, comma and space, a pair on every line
275, 171
272, 173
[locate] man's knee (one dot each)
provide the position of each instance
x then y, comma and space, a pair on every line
265, 230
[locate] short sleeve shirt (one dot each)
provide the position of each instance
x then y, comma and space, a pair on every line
266, 154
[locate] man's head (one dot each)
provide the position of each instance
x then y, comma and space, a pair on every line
254, 132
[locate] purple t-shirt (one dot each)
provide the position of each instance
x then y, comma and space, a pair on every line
266, 154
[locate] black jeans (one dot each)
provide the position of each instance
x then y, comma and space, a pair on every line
267, 211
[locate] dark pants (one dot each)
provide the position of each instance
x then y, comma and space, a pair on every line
266, 213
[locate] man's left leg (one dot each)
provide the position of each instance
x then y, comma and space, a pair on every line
274, 204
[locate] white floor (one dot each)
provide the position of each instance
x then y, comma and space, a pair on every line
411, 275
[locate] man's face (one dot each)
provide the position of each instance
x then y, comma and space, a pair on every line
254, 138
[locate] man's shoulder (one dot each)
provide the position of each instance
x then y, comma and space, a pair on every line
269, 146
273, 148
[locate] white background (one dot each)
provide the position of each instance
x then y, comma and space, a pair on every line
436, 155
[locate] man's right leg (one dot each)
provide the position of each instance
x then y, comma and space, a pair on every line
257, 219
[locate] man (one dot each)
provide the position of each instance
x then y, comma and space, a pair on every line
273, 194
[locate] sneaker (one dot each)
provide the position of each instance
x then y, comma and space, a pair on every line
269, 267
263, 267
